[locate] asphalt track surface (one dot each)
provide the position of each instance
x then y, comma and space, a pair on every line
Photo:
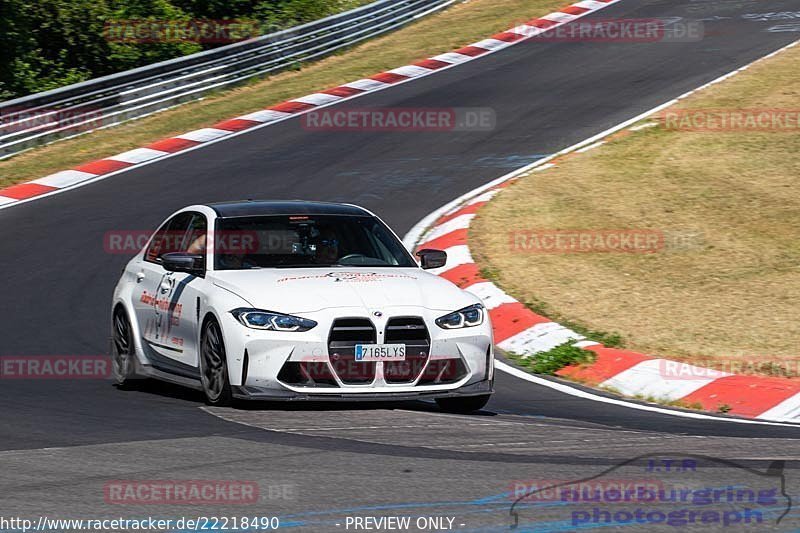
61, 441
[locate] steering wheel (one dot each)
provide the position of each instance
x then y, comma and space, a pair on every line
352, 256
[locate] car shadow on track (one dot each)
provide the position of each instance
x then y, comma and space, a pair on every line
420, 406
162, 388
178, 392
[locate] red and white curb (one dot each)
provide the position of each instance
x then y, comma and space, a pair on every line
519, 330
95, 170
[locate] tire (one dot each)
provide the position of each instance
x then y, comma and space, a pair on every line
214, 366
467, 404
123, 358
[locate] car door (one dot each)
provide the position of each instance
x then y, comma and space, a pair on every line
149, 274
179, 307
155, 298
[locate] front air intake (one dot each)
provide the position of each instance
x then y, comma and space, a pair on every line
307, 374
345, 334
412, 332
444, 371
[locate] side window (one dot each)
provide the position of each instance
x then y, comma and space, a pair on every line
386, 244
195, 241
170, 237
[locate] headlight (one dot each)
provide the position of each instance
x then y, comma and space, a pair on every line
463, 318
259, 319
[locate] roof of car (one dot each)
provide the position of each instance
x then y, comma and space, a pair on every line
245, 208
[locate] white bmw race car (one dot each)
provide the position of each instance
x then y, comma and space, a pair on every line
290, 300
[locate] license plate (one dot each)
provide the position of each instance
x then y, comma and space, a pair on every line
380, 352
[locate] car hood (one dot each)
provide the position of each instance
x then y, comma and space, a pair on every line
314, 289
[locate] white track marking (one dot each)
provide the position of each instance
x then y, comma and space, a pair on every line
644, 126
786, 411
558, 16
138, 155
490, 294
457, 223
539, 338
411, 71
265, 115
589, 4
586, 344
648, 379
590, 147
366, 85
452, 57
65, 178
456, 256
527, 31
491, 44
203, 135
317, 99
485, 197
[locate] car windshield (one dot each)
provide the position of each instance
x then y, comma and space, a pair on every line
306, 241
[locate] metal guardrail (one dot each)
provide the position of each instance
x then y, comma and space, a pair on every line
102, 102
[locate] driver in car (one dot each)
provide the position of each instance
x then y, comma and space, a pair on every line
233, 259
327, 252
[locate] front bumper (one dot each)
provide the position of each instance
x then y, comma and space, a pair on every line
480, 388
257, 358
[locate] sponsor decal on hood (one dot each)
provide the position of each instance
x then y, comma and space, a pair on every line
349, 277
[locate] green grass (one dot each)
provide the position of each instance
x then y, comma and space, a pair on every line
552, 361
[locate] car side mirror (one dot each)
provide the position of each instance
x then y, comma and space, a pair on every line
183, 262
430, 258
